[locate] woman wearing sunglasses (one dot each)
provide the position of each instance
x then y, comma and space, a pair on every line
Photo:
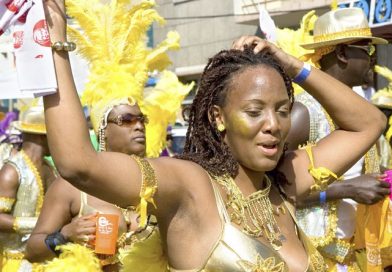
68, 214
116, 105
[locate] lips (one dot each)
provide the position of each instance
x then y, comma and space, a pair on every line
139, 139
269, 148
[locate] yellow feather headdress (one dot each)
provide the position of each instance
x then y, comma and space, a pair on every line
113, 39
383, 98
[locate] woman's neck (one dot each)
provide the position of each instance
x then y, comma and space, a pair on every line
247, 178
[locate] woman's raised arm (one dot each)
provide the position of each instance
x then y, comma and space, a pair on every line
359, 122
67, 131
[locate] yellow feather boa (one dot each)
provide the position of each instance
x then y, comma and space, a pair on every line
74, 257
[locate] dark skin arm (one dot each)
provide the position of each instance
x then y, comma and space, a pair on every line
365, 189
57, 212
9, 183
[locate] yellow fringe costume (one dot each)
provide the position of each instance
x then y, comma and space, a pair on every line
113, 39
374, 223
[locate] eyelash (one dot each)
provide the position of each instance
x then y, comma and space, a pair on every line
254, 113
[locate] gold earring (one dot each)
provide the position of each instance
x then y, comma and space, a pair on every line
221, 127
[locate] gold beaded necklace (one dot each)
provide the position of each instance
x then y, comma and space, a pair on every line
253, 213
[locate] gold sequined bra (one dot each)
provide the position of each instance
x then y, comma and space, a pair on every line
236, 251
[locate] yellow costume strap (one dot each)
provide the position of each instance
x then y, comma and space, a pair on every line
322, 176
148, 188
6, 204
24, 225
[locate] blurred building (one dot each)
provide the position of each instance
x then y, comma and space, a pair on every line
206, 26
287, 13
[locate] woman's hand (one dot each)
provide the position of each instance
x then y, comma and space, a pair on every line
291, 64
81, 230
56, 19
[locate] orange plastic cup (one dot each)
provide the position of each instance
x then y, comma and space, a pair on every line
106, 234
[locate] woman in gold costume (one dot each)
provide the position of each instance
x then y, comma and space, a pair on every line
222, 205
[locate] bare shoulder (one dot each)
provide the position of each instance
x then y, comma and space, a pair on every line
61, 189
9, 177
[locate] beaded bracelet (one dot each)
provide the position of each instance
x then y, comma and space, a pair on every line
303, 74
64, 46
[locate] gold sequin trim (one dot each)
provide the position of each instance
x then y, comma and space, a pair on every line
262, 265
6, 204
317, 262
38, 178
372, 161
24, 225
148, 188
343, 34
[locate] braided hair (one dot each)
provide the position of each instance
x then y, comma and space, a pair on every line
204, 144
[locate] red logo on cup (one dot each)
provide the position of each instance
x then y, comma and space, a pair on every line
18, 39
41, 33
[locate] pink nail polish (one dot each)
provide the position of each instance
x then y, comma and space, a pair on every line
389, 180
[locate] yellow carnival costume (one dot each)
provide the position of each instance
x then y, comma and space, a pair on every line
113, 40
26, 206
374, 223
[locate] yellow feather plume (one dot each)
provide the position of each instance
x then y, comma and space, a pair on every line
162, 105
113, 39
334, 5
289, 40
385, 72
74, 257
383, 98
157, 58
385, 93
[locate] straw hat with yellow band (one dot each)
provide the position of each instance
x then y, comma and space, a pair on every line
114, 42
339, 26
31, 117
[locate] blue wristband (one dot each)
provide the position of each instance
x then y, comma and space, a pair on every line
303, 75
323, 197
